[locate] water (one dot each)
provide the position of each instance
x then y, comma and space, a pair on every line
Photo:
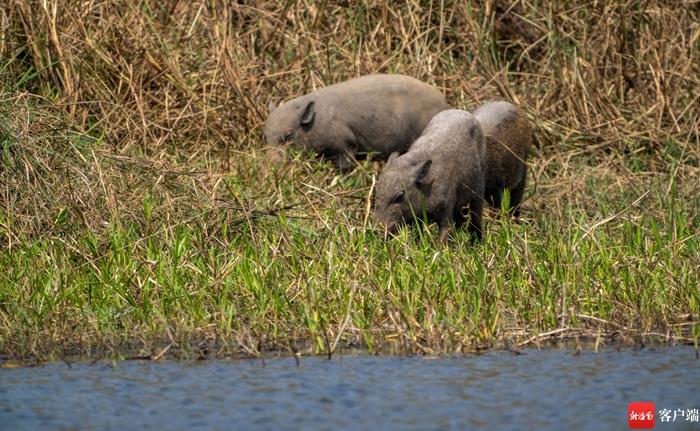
548, 389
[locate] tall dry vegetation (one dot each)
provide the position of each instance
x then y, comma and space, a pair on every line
130, 146
178, 89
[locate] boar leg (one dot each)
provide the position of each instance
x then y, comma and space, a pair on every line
344, 163
445, 232
459, 217
516, 195
494, 194
345, 159
475, 209
445, 223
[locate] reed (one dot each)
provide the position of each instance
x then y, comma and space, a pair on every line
139, 212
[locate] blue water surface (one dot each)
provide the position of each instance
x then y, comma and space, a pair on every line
539, 389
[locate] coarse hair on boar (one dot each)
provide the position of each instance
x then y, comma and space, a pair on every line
439, 176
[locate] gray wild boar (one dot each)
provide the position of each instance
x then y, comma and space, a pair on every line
508, 137
439, 175
371, 114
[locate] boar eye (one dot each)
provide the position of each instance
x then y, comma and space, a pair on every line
398, 197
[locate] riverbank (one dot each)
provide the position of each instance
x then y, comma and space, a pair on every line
139, 211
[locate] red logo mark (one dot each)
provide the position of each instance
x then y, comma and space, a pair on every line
641, 415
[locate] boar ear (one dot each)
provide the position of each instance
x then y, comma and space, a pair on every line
392, 157
271, 106
422, 171
308, 116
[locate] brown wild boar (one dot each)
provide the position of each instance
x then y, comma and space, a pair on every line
508, 137
439, 175
371, 114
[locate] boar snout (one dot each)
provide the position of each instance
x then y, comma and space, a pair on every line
392, 228
389, 226
285, 137
389, 230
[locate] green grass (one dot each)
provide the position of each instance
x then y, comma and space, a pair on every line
233, 283
140, 214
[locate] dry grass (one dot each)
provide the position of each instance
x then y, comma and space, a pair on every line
186, 84
148, 113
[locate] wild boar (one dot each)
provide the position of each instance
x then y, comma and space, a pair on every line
438, 177
372, 114
508, 135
